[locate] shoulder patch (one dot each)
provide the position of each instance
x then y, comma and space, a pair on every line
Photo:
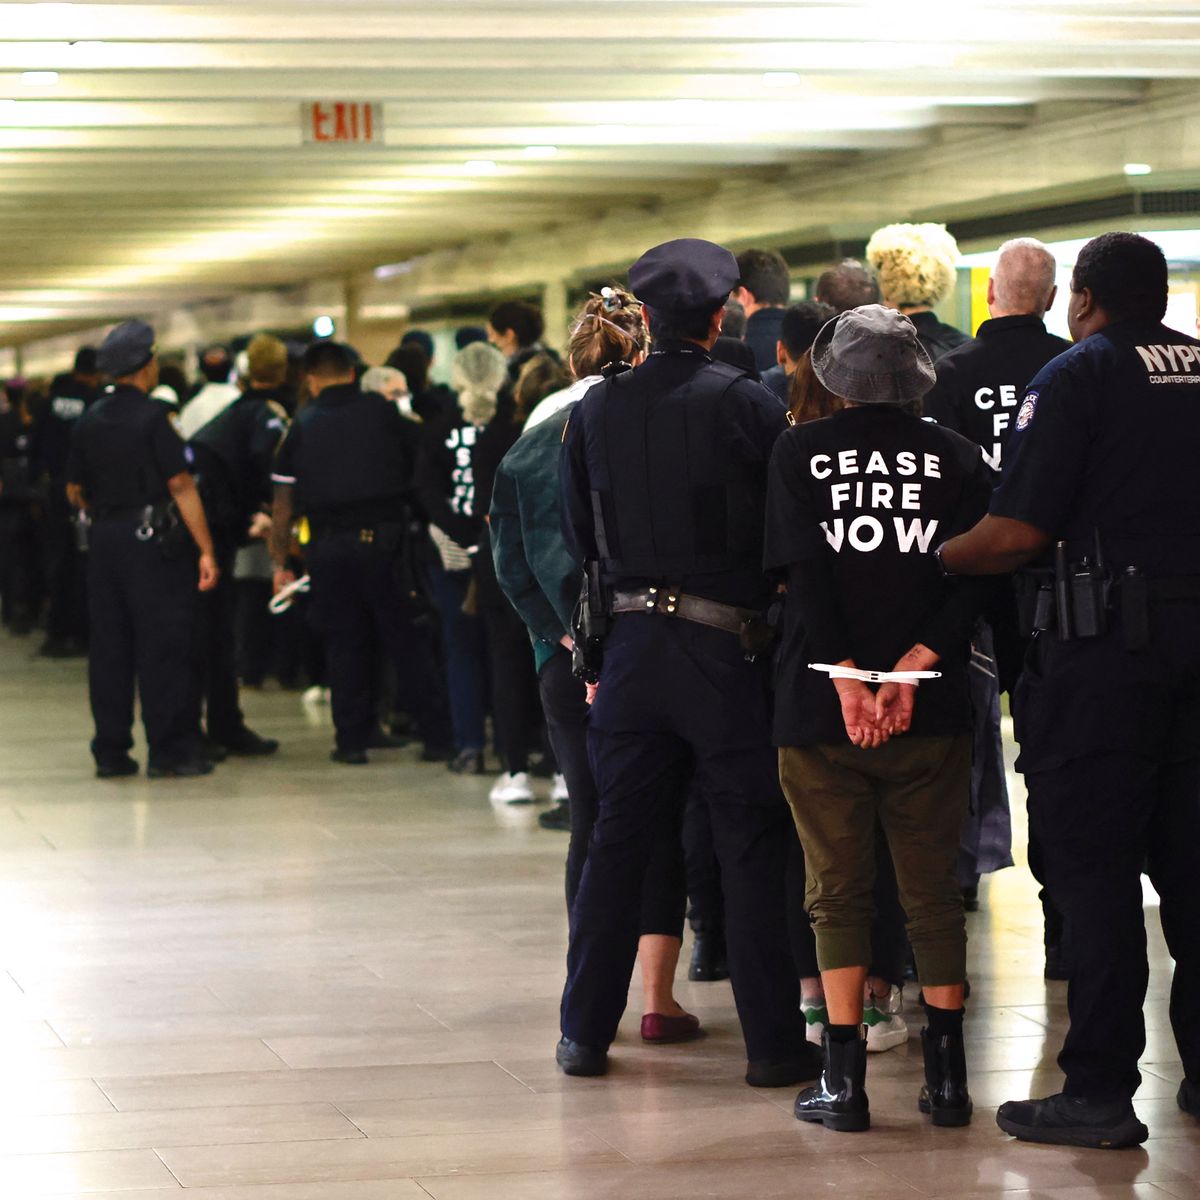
1028, 408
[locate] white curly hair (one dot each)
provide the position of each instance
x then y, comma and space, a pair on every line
915, 263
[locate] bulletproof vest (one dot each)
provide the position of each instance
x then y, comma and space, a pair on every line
350, 451
669, 497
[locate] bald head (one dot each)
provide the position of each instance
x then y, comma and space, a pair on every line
1023, 280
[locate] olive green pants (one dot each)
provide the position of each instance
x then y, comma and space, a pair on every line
918, 789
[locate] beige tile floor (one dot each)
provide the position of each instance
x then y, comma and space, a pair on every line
295, 981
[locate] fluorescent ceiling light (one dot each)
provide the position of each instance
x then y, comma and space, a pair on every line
480, 166
1138, 168
781, 79
40, 78
611, 130
540, 151
391, 270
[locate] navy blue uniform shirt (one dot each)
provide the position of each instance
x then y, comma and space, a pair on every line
1106, 439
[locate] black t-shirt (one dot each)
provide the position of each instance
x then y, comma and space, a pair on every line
69, 400
856, 505
1106, 440
981, 383
124, 450
350, 456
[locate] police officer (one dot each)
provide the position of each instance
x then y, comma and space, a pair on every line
663, 477
126, 467
979, 387
66, 613
234, 454
1101, 468
347, 466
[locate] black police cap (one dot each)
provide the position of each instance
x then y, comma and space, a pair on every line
683, 276
126, 350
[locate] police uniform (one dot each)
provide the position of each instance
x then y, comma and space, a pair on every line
66, 611
349, 456
140, 597
663, 478
234, 454
1103, 454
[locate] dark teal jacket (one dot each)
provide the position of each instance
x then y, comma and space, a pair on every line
533, 565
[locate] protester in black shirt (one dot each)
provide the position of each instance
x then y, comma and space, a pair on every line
856, 505
763, 290
800, 326
915, 265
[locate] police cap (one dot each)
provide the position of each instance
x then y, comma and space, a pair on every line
126, 350
684, 276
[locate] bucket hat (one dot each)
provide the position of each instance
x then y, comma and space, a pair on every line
871, 355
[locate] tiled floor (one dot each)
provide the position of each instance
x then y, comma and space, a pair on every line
295, 981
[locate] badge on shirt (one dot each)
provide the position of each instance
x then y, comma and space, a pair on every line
1028, 408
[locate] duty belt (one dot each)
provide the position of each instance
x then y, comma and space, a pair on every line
669, 603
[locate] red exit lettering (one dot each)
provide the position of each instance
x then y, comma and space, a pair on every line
342, 121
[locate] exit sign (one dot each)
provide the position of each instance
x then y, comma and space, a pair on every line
343, 123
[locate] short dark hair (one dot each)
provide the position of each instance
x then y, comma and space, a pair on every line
691, 326
801, 324
216, 364
846, 286
764, 274
1126, 274
735, 319
413, 363
85, 361
464, 336
329, 360
523, 319
418, 337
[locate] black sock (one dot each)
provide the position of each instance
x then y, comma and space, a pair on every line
843, 1033
944, 1021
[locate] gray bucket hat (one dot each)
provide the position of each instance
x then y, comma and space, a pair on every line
871, 355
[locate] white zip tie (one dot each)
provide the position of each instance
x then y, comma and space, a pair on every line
913, 677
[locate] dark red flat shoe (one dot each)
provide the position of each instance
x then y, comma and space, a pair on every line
660, 1030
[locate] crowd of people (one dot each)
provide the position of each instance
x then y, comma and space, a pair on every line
737, 574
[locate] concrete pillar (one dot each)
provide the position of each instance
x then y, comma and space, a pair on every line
555, 314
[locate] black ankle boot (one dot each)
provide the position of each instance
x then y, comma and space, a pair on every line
708, 956
839, 1100
945, 1097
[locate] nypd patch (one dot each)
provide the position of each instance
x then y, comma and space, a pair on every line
1028, 408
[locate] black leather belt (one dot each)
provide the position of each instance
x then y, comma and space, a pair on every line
670, 603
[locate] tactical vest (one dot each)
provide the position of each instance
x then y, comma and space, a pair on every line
670, 499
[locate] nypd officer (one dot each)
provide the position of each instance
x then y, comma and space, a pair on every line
346, 465
1101, 473
663, 476
128, 469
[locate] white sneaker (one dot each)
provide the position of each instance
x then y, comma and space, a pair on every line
316, 695
511, 788
816, 1017
558, 792
886, 1028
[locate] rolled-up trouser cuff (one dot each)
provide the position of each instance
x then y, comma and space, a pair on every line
838, 948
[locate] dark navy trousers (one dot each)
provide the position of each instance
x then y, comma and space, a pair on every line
141, 607
678, 699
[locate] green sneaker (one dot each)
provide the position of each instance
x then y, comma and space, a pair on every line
885, 1026
816, 1017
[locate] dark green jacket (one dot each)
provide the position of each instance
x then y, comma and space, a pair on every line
533, 565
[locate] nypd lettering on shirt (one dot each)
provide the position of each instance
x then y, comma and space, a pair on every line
1171, 364
888, 489
67, 408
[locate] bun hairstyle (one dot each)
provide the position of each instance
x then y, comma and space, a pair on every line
915, 264
609, 331
478, 373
